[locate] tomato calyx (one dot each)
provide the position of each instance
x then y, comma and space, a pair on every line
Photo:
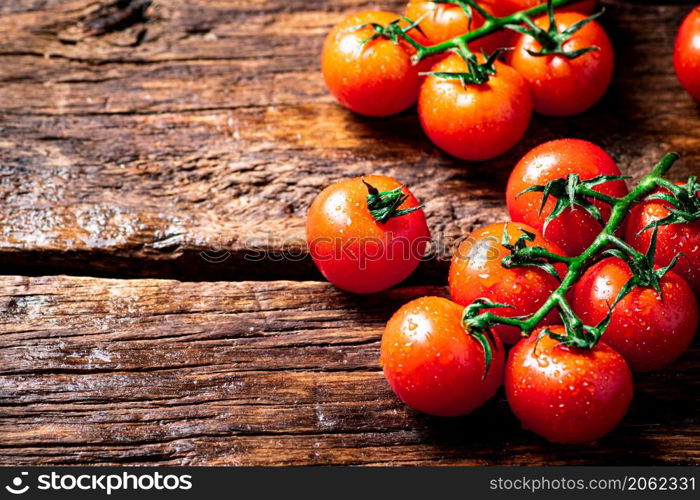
577, 334
383, 205
644, 274
391, 31
478, 325
552, 40
684, 201
520, 256
583, 338
477, 73
572, 192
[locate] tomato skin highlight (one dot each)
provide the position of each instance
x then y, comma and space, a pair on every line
377, 79
474, 122
433, 364
476, 272
649, 332
567, 395
670, 240
354, 251
444, 21
554, 160
561, 86
686, 53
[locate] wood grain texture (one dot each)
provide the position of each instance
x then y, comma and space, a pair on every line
178, 138
134, 139
162, 372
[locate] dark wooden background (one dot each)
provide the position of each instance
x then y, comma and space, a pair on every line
148, 150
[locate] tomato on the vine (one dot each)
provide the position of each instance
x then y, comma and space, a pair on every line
433, 364
671, 239
567, 394
686, 54
575, 229
371, 77
649, 330
352, 243
443, 21
477, 272
563, 85
474, 121
507, 7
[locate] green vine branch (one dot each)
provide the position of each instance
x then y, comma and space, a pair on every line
491, 25
570, 193
479, 72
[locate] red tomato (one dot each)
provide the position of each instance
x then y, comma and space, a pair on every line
649, 332
444, 21
686, 54
433, 364
474, 122
354, 251
561, 86
670, 240
507, 7
575, 229
565, 394
476, 272
377, 79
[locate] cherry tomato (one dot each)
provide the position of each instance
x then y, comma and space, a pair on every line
474, 122
433, 364
352, 249
374, 79
670, 240
561, 86
649, 332
507, 7
444, 21
476, 272
565, 394
686, 54
575, 229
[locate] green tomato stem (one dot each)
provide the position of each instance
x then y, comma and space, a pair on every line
624, 246
546, 254
578, 265
491, 25
592, 193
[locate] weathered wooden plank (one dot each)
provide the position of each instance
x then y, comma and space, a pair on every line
204, 126
155, 371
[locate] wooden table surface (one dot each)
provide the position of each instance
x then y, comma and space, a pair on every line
150, 152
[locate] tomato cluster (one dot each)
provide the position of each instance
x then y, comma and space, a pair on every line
471, 105
367, 234
585, 284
